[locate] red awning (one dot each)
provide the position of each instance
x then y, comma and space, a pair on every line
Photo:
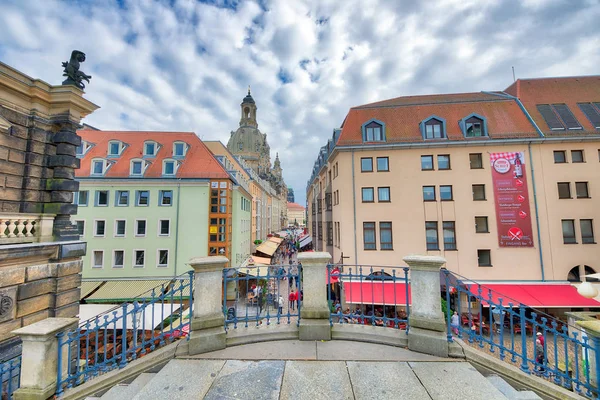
376, 292
535, 295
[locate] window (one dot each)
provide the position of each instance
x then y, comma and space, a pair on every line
426, 163
443, 161
478, 192
385, 236
120, 227
449, 235
178, 149
163, 258
568, 228
80, 227
484, 258
446, 192
383, 194
142, 198
139, 258
140, 227
474, 127
373, 132
82, 198
165, 198
114, 148
98, 259
434, 129
101, 198
592, 113
560, 157
476, 161
550, 117
149, 149
98, 167
428, 193
99, 228
169, 167
118, 256
564, 190
581, 188
137, 168
577, 156
431, 235
567, 117
383, 164
369, 240
122, 198
367, 195
82, 148
587, 231
164, 226
481, 225
329, 233
366, 164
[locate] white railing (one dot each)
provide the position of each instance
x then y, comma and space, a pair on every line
25, 228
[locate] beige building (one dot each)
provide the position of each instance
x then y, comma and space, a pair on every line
501, 184
296, 214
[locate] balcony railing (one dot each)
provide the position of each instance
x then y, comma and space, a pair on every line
10, 372
25, 228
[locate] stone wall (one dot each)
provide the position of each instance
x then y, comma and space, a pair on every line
38, 281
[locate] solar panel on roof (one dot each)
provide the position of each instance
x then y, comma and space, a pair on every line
592, 113
550, 117
567, 116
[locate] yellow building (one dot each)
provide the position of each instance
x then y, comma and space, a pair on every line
501, 184
296, 214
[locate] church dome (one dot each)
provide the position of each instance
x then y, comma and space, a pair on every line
248, 98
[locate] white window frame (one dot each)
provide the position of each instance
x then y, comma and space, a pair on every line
175, 166
134, 259
113, 259
119, 143
97, 198
138, 196
158, 258
160, 198
144, 165
85, 146
115, 230
155, 148
104, 167
135, 233
117, 197
185, 146
84, 224
77, 197
158, 233
94, 259
96, 228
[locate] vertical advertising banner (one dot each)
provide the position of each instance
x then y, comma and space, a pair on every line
509, 181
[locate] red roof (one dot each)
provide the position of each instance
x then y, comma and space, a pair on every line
567, 90
376, 292
197, 163
403, 115
294, 206
535, 295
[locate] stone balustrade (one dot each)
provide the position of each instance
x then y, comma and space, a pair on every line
25, 228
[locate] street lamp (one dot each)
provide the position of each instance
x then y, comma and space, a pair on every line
587, 290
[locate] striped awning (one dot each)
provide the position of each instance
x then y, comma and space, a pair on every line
88, 287
126, 290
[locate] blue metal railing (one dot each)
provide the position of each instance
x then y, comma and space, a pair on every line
10, 371
253, 296
527, 338
133, 330
380, 297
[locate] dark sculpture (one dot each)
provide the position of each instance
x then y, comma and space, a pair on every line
72, 72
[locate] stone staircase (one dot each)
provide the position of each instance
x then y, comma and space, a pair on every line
296, 379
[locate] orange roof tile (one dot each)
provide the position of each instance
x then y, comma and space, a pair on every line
566, 90
197, 163
403, 115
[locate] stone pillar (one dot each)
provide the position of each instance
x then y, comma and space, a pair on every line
314, 312
39, 362
427, 333
592, 329
208, 321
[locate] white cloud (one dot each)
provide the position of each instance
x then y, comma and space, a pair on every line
185, 65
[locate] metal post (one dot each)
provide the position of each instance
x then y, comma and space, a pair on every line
524, 364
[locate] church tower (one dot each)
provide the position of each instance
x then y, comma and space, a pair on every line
277, 171
248, 108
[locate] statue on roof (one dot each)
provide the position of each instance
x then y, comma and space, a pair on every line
72, 72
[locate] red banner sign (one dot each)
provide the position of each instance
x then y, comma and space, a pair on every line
512, 199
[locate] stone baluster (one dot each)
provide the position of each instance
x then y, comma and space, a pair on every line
314, 312
29, 227
21, 227
208, 321
427, 332
12, 227
3, 227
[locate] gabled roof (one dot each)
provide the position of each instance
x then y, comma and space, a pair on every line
219, 149
565, 90
198, 162
403, 115
294, 206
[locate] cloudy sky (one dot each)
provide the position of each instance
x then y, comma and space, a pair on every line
185, 65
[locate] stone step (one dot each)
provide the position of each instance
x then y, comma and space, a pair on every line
134, 387
510, 392
92, 398
116, 392
528, 395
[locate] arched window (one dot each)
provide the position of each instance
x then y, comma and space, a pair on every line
150, 148
179, 149
115, 147
99, 166
575, 276
247, 112
137, 167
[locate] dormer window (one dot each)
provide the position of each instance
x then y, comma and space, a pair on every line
115, 148
170, 167
138, 167
179, 149
474, 126
150, 149
99, 167
373, 131
433, 127
82, 148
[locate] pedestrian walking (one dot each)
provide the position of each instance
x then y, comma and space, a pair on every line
280, 304
454, 322
292, 300
294, 274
